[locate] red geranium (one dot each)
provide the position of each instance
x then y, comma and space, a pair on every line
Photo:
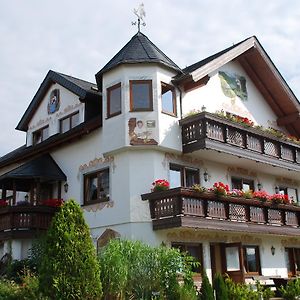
3, 203
53, 202
220, 188
261, 195
279, 198
160, 185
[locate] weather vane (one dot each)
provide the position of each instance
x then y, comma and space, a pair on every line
140, 13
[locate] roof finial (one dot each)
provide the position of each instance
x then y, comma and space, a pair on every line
140, 13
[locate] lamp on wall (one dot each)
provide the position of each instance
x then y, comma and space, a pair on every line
26, 197
259, 186
205, 176
203, 108
273, 250
277, 189
66, 187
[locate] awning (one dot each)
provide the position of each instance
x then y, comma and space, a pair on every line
43, 168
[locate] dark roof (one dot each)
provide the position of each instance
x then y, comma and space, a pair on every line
201, 63
43, 167
57, 140
83, 89
139, 50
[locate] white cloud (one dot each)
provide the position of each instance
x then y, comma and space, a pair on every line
79, 37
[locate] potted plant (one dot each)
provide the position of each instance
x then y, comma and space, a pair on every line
220, 189
263, 196
160, 185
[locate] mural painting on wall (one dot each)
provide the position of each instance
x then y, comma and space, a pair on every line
233, 85
54, 102
140, 132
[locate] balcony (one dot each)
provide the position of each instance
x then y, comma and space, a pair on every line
183, 207
209, 131
24, 221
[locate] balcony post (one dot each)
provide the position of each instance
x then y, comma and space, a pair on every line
283, 216
266, 215
226, 207
247, 212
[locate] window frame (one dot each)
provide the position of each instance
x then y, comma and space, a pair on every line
257, 260
183, 173
182, 246
293, 261
108, 95
70, 121
286, 188
243, 179
150, 107
41, 131
87, 192
174, 104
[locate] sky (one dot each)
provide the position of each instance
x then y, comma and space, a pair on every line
79, 37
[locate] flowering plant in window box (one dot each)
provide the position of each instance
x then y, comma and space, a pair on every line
220, 189
279, 198
247, 194
198, 188
3, 203
160, 185
53, 202
261, 195
235, 193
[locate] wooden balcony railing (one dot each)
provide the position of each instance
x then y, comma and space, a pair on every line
24, 221
183, 207
209, 131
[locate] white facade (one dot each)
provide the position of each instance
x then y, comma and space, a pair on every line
133, 168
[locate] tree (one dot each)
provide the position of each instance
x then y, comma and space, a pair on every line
220, 288
69, 268
206, 291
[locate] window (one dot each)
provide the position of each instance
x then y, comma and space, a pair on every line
141, 95
69, 122
292, 258
291, 192
40, 135
242, 184
114, 100
251, 259
96, 187
183, 176
168, 99
194, 250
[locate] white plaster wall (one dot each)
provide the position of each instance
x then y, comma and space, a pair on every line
212, 97
69, 103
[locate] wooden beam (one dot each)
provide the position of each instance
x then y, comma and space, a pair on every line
288, 119
261, 87
191, 85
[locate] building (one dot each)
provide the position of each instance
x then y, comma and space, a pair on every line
146, 119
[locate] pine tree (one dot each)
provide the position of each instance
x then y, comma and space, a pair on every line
220, 288
69, 268
206, 291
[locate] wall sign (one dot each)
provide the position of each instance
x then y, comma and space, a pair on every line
140, 132
233, 85
54, 102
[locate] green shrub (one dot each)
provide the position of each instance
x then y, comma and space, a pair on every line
140, 271
69, 268
17, 269
206, 291
187, 292
8, 290
220, 287
292, 290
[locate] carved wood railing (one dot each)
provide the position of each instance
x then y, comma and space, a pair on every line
181, 202
206, 126
25, 217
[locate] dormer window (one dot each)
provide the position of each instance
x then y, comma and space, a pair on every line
168, 99
40, 135
69, 122
141, 95
114, 100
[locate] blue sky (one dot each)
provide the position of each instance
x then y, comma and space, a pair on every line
79, 37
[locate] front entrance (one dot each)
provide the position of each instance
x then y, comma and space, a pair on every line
227, 258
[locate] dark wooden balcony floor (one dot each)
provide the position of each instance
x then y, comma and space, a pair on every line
183, 207
24, 221
209, 131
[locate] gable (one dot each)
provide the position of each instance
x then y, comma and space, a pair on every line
86, 91
264, 75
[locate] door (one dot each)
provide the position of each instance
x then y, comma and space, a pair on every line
232, 260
